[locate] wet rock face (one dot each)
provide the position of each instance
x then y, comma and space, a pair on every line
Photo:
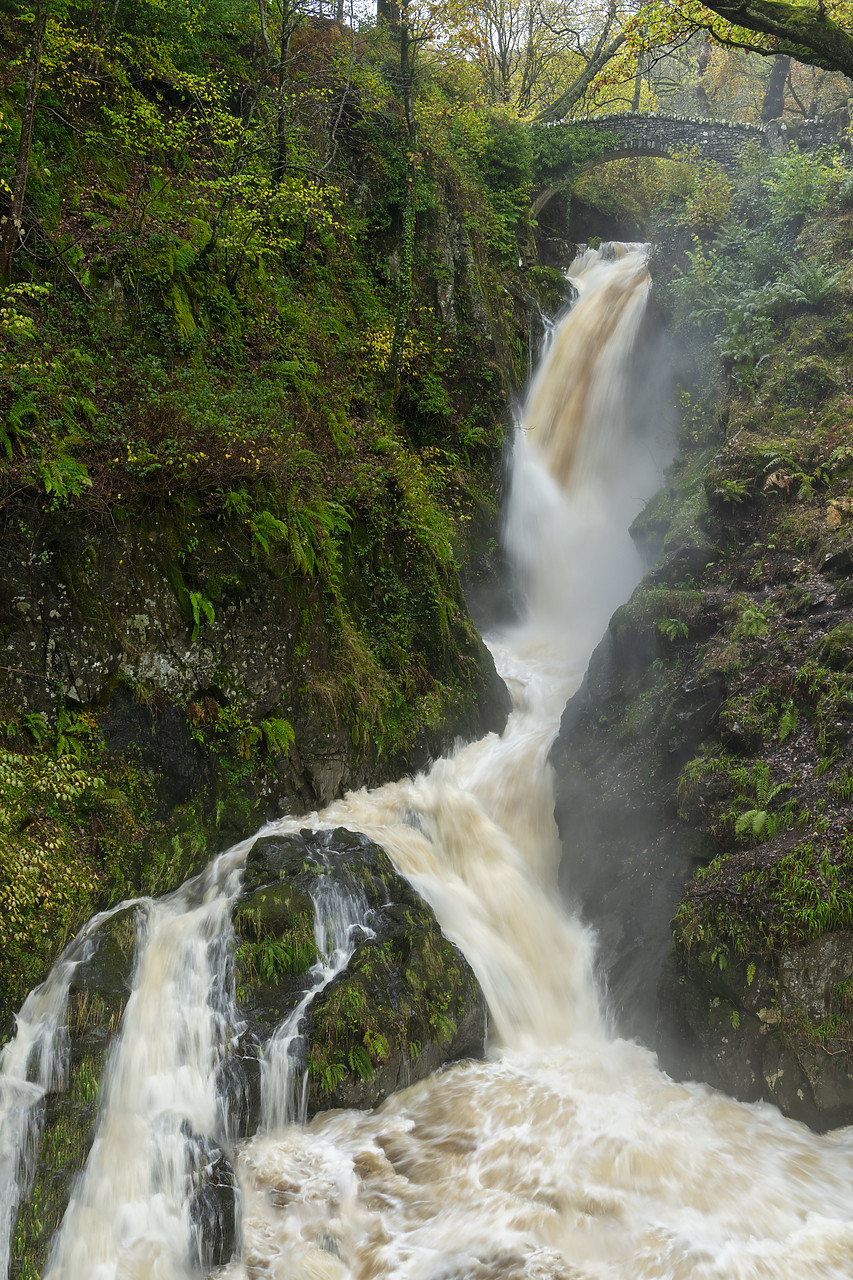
776, 1029
406, 1003
748, 1002
622, 741
103, 621
703, 785
213, 1203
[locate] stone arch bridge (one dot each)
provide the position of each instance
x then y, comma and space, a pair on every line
668, 137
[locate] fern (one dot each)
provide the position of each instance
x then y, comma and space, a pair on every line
752, 623
842, 787
754, 822
64, 477
301, 540
36, 726
267, 531
237, 503
201, 606
672, 628
377, 1045
331, 1076
809, 283
443, 1026
359, 1061
278, 735
765, 790
787, 722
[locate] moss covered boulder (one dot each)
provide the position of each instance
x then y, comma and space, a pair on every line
407, 1001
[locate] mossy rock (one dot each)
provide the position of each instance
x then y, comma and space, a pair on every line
673, 527
808, 382
740, 470
658, 617
835, 650
407, 1002
276, 948
775, 1026
406, 1005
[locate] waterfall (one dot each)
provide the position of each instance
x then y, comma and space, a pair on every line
32, 1063
160, 1109
338, 913
566, 1154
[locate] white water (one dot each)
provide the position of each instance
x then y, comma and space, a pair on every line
32, 1064
130, 1212
338, 913
566, 1155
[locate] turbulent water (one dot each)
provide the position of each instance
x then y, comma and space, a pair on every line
566, 1155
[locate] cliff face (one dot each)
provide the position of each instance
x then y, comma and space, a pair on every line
704, 767
254, 421
173, 673
101, 619
144, 739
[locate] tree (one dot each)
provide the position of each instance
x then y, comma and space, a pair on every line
821, 34
774, 95
610, 39
32, 75
417, 24
539, 57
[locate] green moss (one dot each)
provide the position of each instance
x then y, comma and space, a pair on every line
396, 997
220, 380
759, 907
835, 650
674, 517
659, 611
276, 928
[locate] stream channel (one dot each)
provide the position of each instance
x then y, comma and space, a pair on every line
565, 1154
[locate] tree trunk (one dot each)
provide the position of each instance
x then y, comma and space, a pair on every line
774, 95
404, 280
803, 32
279, 168
388, 13
638, 84
701, 67
575, 92
12, 229
262, 17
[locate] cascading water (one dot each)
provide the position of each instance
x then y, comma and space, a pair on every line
32, 1063
566, 1154
130, 1211
338, 914
35, 1061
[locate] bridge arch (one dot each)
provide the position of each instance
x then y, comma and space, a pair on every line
638, 134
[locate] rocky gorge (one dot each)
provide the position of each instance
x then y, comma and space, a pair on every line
706, 758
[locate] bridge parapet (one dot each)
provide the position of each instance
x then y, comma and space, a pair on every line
649, 134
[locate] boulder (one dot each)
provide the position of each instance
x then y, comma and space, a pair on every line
406, 1003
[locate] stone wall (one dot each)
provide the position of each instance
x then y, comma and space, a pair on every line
646, 134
